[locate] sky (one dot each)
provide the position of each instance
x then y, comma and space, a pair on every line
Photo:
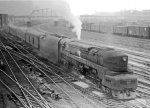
90, 6
16, 7
78, 7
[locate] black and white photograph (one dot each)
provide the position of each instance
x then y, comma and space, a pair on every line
74, 54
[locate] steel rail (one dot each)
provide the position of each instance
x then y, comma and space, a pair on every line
16, 79
41, 104
21, 100
40, 62
57, 76
52, 79
55, 70
46, 103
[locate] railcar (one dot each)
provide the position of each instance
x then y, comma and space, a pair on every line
134, 31
95, 27
138, 31
107, 67
120, 30
144, 32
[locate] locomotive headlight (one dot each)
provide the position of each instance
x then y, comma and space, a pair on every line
124, 58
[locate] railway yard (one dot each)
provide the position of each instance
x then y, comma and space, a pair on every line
137, 50
52, 56
31, 81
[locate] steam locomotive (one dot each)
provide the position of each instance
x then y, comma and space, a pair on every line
108, 67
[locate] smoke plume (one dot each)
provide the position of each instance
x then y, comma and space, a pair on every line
75, 21
62, 8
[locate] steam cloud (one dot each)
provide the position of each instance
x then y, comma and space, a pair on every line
75, 21
62, 8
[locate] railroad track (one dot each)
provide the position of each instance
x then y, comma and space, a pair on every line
138, 62
17, 75
140, 65
7, 42
143, 79
105, 102
70, 98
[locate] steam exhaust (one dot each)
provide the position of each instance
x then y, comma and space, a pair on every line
72, 19
62, 8
77, 26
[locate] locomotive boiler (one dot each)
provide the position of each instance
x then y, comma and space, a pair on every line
106, 66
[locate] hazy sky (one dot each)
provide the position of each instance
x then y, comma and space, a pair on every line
16, 7
91, 6
78, 7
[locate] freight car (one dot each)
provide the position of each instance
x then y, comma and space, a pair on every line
134, 31
95, 27
3, 20
144, 32
102, 28
139, 31
120, 30
106, 66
